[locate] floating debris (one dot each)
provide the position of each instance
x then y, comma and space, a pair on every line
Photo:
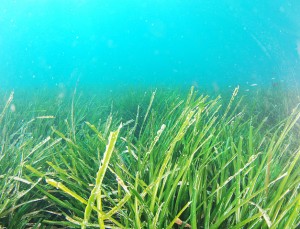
253, 85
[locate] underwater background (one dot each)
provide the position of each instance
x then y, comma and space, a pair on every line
210, 44
149, 114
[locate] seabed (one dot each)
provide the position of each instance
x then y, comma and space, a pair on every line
149, 160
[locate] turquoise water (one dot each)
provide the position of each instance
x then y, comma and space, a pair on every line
201, 43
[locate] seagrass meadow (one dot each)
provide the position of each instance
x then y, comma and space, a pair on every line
153, 114
157, 158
